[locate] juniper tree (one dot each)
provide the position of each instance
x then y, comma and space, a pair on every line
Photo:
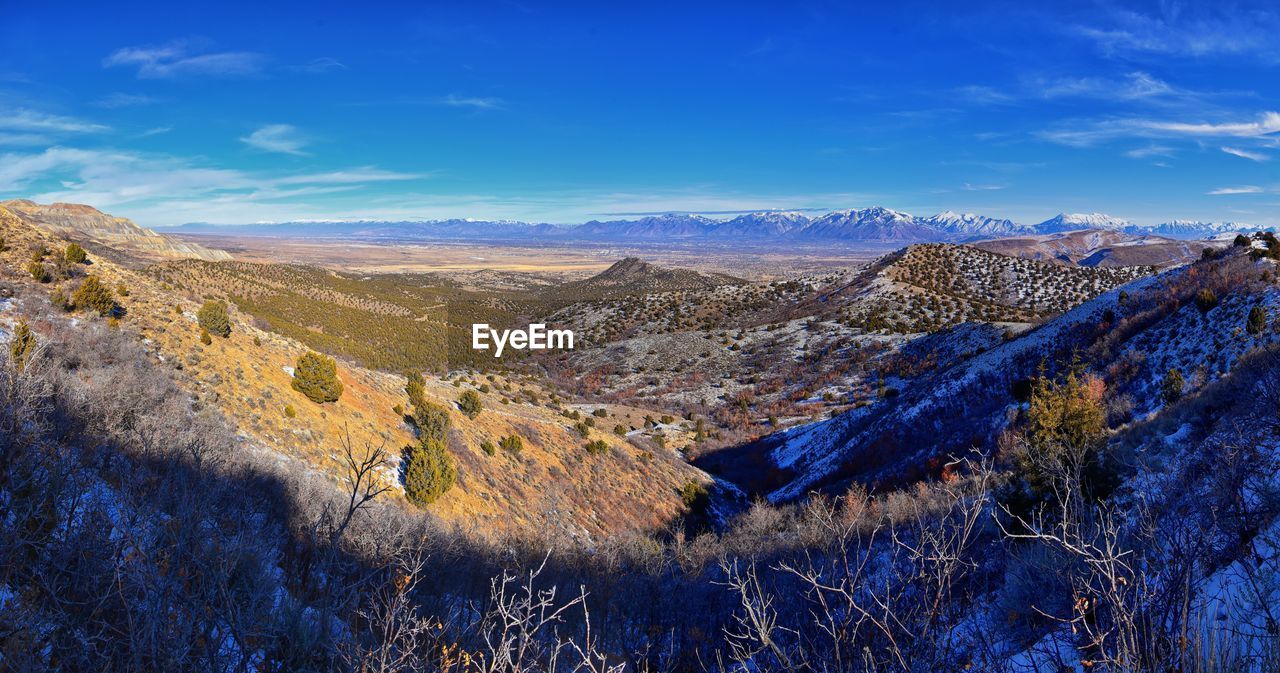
21, 345
414, 388
429, 471
432, 421
1257, 320
213, 317
94, 294
316, 376
76, 254
1206, 300
470, 404
1171, 387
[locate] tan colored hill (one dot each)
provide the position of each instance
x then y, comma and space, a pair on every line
633, 275
88, 225
552, 485
1097, 247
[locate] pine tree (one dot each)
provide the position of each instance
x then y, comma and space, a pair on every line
429, 471
21, 345
316, 376
205, 338
213, 317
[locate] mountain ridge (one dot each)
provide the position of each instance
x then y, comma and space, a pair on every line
872, 224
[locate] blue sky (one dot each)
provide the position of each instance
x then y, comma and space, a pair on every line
563, 112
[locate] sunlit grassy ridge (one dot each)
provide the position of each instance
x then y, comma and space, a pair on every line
391, 322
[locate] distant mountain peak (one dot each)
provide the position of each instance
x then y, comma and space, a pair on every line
1075, 221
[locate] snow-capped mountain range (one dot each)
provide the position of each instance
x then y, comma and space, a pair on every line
874, 224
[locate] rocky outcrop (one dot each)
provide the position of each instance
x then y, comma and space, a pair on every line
88, 224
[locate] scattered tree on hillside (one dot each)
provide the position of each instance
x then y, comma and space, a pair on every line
695, 496
1206, 300
93, 294
1060, 454
316, 376
76, 254
1257, 320
414, 387
470, 404
213, 317
205, 338
432, 421
1171, 387
21, 345
38, 271
1241, 241
429, 471
511, 444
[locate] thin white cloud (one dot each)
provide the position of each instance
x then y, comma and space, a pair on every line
24, 139
971, 187
319, 65
1149, 151
119, 100
1245, 189
1194, 30
159, 189
32, 121
1266, 124
363, 174
474, 102
1092, 132
979, 94
1246, 154
1134, 86
279, 138
184, 59
159, 130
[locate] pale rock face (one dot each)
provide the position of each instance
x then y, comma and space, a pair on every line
74, 221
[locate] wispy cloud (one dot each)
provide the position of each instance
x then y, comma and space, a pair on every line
1193, 30
1133, 86
1244, 189
979, 94
31, 120
163, 189
360, 175
1266, 124
24, 139
318, 65
1149, 151
120, 100
1092, 132
473, 102
279, 138
186, 58
971, 187
1246, 154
